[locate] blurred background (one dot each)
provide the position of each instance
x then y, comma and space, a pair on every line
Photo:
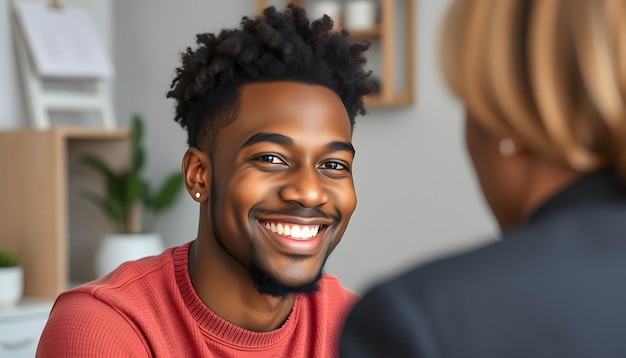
417, 196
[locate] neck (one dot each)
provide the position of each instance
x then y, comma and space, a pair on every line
224, 286
544, 180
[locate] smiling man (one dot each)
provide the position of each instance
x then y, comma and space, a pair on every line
269, 109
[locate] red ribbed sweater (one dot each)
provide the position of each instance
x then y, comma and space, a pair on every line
148, 308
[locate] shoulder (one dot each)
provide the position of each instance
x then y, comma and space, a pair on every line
394, 317
134, 278
125, 283
454, 275
81, 325
503, 263
110, 314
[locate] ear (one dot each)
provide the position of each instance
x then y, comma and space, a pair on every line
197, 174
512, 146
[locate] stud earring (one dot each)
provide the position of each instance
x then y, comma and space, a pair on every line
507, 147
197, 195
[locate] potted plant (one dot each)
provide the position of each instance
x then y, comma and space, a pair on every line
11, 278
131, 205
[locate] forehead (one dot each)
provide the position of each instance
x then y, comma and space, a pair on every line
293, 109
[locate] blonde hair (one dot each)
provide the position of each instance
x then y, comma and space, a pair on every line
553, 72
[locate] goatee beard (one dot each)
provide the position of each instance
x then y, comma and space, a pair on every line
267, 284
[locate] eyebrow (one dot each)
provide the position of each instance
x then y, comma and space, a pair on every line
268, 137
343, 146
284, 140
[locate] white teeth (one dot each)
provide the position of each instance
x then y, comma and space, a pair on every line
294, 231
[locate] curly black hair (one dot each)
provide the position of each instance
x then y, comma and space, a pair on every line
274, 46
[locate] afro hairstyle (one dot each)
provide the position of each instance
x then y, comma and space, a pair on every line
274, 46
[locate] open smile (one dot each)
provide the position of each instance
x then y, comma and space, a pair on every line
298, 232
295, 238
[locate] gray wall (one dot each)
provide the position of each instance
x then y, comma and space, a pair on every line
418, 198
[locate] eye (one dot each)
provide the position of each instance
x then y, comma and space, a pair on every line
334, 166
270, 158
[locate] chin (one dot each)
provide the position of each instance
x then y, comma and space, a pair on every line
269, 284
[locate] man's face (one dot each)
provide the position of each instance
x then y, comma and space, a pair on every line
282, 190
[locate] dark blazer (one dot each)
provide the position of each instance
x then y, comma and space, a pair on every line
554, 288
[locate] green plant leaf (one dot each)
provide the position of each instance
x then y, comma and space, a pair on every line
114, 190
114, 182
166, 195
137, 130
126, 189
134, 189
9, 258
138, 158
146, 194
117, 212
94, 198
110, 206
99, 165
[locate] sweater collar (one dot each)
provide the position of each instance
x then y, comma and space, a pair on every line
215, 326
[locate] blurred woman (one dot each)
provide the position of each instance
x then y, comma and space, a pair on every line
544, 86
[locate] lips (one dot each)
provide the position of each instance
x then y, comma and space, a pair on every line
295, 238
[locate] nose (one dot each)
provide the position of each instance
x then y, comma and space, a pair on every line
306, 188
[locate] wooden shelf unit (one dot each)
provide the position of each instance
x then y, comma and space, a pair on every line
395, 42
38, 173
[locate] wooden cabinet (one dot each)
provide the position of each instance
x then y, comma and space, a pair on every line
391, 56
41, 212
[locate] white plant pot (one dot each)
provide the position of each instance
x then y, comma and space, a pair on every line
11, 285
116, 249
